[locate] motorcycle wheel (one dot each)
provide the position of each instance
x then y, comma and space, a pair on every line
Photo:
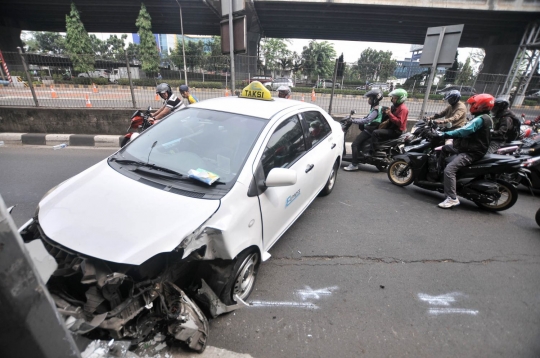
537, 217
329, 186
509, 196
396, 174
242, 279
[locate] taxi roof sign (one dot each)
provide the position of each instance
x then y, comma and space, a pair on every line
256, 90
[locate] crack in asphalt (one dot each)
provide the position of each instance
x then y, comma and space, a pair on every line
386, 260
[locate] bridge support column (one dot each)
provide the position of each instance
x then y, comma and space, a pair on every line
500, 53
10, 38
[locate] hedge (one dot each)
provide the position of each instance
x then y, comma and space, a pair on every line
173, 83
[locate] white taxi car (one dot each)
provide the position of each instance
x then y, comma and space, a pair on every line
187, 210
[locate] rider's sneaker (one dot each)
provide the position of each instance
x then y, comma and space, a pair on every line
351, 168
448, 203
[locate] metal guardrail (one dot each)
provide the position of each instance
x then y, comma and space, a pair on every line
48, 81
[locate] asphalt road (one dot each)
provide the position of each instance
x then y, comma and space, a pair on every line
371, 270
121, 98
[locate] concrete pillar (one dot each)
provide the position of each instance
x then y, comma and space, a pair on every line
500, 53
10, 38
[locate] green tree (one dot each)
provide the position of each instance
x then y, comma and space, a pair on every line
466, 73
133, 52
215, 61
317, 57
45, 42
297, 64
148, 53
272, 50
78, 44
376, 65
450, 74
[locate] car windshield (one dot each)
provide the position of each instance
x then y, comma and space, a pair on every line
195, 138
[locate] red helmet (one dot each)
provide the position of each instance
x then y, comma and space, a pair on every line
481, 103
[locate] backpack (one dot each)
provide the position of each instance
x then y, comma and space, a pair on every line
513, 133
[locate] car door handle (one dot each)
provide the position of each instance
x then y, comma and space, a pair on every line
333, 146
309, 167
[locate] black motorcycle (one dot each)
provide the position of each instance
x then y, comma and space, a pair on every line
384, 151
420, 166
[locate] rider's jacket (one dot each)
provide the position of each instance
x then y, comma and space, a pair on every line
174, 103
474, 137
455, 114
398, 118
374, 117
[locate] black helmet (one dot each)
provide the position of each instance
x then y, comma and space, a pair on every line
500, 105
183, 88
164, 88
452, 97
375, 95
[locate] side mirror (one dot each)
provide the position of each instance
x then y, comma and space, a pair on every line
280, 177
353, 112
149, 108
448, 125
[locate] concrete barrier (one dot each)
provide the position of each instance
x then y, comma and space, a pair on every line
89, 121
64, 120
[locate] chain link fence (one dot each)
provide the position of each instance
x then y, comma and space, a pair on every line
50, 81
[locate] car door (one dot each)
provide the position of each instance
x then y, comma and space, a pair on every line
321, 143
280, 206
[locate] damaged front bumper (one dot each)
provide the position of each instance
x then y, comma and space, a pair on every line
128, 301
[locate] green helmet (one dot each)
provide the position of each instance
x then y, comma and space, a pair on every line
401, 95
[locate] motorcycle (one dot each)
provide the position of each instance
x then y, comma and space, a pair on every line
384, 151
138, 124
419, 167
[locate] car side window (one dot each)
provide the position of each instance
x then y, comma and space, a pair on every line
285, 145
318, 126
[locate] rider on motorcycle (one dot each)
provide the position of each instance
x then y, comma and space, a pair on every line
397, 119
455, 113
503, 125
284, 92
184, 92
172, 102
473, 143
367, 124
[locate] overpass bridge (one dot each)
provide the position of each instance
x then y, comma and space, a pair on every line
495, 25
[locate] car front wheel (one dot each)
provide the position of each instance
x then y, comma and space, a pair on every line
242, 278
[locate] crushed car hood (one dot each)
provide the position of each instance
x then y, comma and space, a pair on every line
104, 214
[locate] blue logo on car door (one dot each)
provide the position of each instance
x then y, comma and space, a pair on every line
291, 198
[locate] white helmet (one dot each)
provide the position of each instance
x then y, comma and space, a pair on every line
284, 90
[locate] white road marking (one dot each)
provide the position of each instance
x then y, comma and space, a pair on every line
441, 300
308, 292
438, 311
308, 305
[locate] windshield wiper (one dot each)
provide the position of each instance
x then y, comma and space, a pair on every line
148, 165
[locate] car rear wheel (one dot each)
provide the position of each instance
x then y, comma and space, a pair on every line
329, 186
242, 279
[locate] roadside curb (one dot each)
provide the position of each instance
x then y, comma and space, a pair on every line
73, 140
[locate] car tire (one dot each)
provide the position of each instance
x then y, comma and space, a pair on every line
242, 278
331, 182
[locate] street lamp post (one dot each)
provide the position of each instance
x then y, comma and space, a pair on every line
183, 42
